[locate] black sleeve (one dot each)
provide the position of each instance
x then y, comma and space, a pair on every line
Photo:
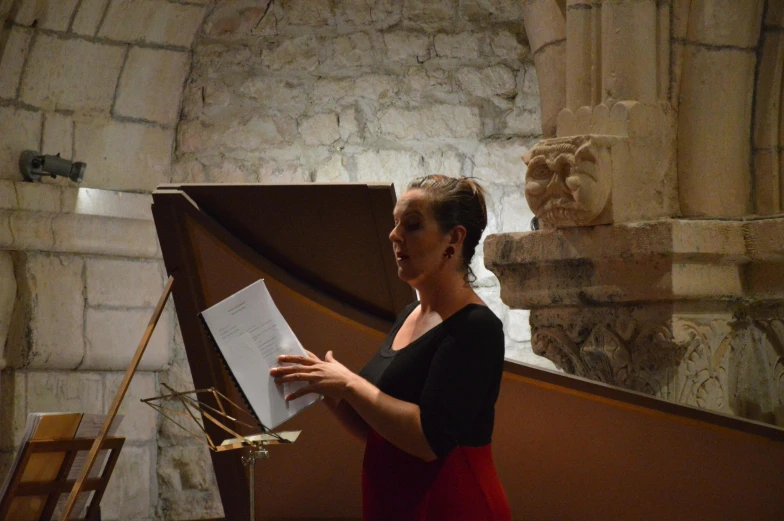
464, 372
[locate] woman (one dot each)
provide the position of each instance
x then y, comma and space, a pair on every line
424, 404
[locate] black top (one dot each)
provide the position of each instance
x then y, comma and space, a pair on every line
452, 372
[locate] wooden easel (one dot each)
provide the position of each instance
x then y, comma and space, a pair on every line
51, 490
99, 443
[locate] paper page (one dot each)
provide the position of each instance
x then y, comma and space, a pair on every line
251, 334
89, 427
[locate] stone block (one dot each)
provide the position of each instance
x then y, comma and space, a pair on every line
430, 14
163, 74
497, 80
407, 47
501, 161
188, 485
774, 16
106, 203
332, 171
276, 95
716, 93
426, 84
353, 13
13, 59
725, 22
183, 467
396, 166
437, 121
13, 408
58, 135
506, 46
140, 421
151, 21
7, 300
518, 327
522, 122
89, 16
768, 92
51, 391
31, 231
283, 172
445, 162
56, 77
52, 15
21, 130
123, 156
348, 126
547, 23
347, 52
49, 319
462, 45
300, 53
491, 11
188, 171
131, 496
123, 282
328, 92
515, 213
767, 182
38, 197
112, 336
321, 129
313, 13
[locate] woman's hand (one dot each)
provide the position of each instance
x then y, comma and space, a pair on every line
327, 377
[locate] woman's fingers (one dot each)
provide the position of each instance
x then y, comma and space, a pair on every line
299, 377
289, 369
308, 389
312, 355
298, 359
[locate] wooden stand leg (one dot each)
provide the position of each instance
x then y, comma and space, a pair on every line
91, 456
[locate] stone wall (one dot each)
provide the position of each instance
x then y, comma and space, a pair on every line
152, 91
99, 81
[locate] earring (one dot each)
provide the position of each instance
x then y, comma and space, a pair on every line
449, 252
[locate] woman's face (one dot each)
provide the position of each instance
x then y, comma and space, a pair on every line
416, 238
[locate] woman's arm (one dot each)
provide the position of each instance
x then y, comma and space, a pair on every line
347, 417
396, 420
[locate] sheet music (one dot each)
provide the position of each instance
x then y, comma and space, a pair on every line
251, 334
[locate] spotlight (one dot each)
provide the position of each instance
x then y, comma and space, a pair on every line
33, 165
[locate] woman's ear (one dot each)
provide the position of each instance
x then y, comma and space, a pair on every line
457, 236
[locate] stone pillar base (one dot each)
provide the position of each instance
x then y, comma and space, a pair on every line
688, 311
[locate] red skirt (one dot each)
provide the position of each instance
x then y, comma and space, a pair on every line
397, 486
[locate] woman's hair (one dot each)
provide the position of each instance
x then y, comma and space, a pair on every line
457, 202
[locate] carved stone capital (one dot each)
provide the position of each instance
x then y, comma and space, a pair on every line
713, 361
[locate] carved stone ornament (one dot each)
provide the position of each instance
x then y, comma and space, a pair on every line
569, 180
713, 363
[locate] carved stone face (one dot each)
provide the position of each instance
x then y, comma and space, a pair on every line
568, 181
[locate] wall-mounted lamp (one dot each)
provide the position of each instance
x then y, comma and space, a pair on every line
33, 165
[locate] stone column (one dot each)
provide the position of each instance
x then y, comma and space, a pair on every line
653, 269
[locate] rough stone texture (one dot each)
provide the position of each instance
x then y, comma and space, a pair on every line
140, 421
58, 69
13, 408
131, 497
491, 81
440, 121
713, 175
7, 300
724, 22
111, 337
58, 135
21, 130
16, 49
121, 282
152, 21
89, 16
124, 156
406, 47
46, 332
321, 129
46, 15
163, 74
187, 482
49, 391
463, 45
